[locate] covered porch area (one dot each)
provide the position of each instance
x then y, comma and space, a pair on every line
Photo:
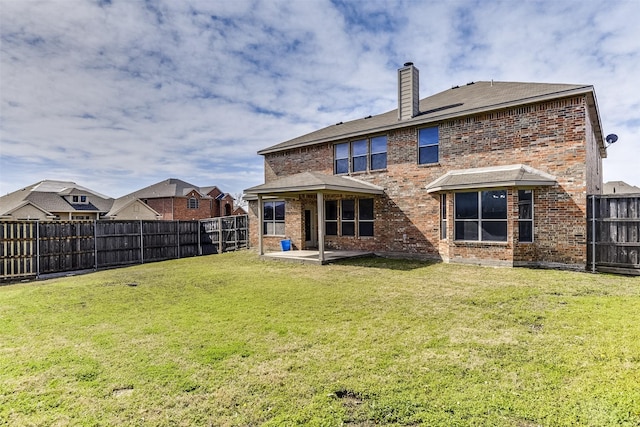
303, 196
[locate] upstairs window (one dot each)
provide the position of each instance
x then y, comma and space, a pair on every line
360, 150
79, 199
193, 203
378, 152
481, 216
360, 155
341, 158
428, 143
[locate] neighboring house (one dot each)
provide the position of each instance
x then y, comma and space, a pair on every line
493, 173
128, 208
65, 200
54, 200
175, 199
239, 210
620, 187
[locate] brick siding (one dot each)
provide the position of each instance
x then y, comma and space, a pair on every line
554, 137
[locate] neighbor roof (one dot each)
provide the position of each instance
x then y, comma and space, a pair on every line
47, 196
472, 98
168, 188
499, 176
620, 187
315, 182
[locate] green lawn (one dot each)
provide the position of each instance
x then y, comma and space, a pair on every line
231, 340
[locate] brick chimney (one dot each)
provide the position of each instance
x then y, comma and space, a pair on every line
408, 92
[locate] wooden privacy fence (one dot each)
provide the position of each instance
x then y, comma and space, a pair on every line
614, 233
34, 248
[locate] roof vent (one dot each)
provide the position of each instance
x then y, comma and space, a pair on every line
368, 117
338, 124
407, 64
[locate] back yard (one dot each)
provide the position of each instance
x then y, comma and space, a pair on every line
231, 340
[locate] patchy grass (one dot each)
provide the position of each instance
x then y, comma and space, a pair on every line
231, 340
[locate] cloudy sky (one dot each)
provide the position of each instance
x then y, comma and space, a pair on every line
120, 94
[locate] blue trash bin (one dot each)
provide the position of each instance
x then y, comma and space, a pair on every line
286, 244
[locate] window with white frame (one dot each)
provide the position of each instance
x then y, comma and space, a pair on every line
360, 155
525, 215
428, 145
481, 216
273, 218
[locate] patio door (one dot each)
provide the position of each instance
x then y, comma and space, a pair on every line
310, 229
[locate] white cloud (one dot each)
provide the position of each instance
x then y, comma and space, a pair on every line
120, 96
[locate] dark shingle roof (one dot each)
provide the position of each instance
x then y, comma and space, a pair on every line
168, 188
456, 102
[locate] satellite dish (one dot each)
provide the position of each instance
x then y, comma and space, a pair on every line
611, 138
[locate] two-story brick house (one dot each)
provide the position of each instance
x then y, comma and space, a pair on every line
492, 173
175, 199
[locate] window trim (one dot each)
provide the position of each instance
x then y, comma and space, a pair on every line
479, 217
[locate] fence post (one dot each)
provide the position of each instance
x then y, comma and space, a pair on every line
593, 233
37, 249
178, 239
95, 245
199, 238
141, 244
220, 235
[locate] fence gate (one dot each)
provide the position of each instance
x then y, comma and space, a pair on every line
614, 233
223, 234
